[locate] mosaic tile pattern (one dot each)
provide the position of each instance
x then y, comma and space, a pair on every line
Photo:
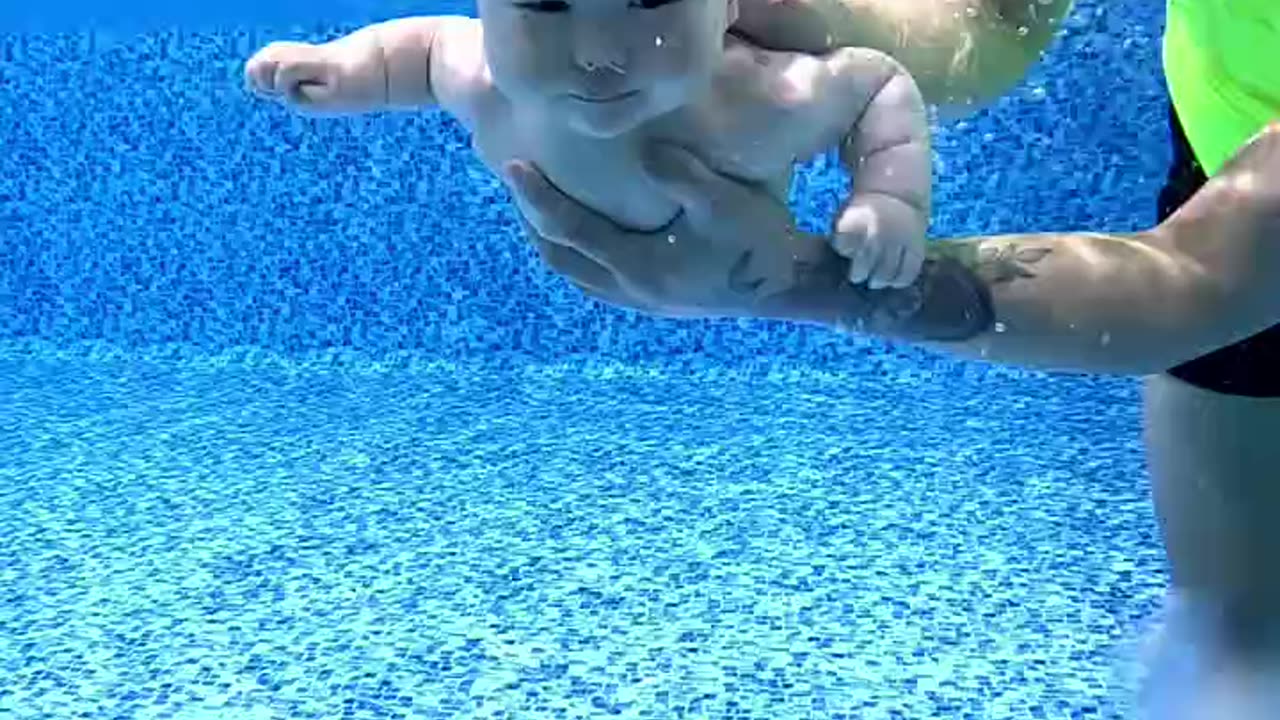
220, 543
278, 441
146, 200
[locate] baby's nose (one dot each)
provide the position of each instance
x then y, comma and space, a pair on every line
597, 46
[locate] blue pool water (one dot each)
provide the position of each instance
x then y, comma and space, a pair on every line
292, 424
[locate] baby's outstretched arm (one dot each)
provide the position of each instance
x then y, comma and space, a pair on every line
379, 67
881, 228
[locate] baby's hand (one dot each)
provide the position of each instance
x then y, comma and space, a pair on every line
299, 74
884, 240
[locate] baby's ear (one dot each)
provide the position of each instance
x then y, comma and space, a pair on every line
732, 11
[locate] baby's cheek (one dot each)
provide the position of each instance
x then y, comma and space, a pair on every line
532, 56
671, 39
529, 81
694, 66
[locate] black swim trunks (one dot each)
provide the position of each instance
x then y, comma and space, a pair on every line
1250, 367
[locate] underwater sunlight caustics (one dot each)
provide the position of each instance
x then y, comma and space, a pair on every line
568, 359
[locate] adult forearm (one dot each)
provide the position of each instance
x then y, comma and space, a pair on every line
1114, 304
947, 303
1133, 304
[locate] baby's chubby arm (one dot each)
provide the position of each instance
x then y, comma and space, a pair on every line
881, 228
384, 66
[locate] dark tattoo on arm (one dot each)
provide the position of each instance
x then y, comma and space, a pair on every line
741, 280
949, 302
1008, 262
811, 274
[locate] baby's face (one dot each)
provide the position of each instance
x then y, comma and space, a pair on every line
605, 66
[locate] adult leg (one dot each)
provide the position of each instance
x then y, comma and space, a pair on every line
1212, 433
1215, 467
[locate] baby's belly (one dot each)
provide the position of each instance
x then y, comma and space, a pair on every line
630, 200
614, 185
625, 195
634, 201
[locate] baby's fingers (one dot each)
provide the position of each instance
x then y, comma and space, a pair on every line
305, 83
909, 267
855, 239
260, 76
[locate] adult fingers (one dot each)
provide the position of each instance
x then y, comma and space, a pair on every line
561, 219
701, 191
612, 296
574, 266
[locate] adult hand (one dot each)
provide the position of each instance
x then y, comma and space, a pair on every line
734, 252
731, 252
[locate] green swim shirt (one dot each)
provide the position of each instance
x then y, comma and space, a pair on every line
1222, 64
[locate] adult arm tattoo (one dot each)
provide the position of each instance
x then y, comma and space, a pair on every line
950, 301
1007, 261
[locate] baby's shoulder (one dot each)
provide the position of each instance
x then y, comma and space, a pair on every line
798, 82
748, 68
460, 75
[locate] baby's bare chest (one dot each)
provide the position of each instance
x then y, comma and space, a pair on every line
745, 128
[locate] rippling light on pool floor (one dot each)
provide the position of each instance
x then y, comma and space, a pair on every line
204, 543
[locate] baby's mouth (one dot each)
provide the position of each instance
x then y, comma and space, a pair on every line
602, 98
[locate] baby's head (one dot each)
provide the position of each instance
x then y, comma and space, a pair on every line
605, 66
